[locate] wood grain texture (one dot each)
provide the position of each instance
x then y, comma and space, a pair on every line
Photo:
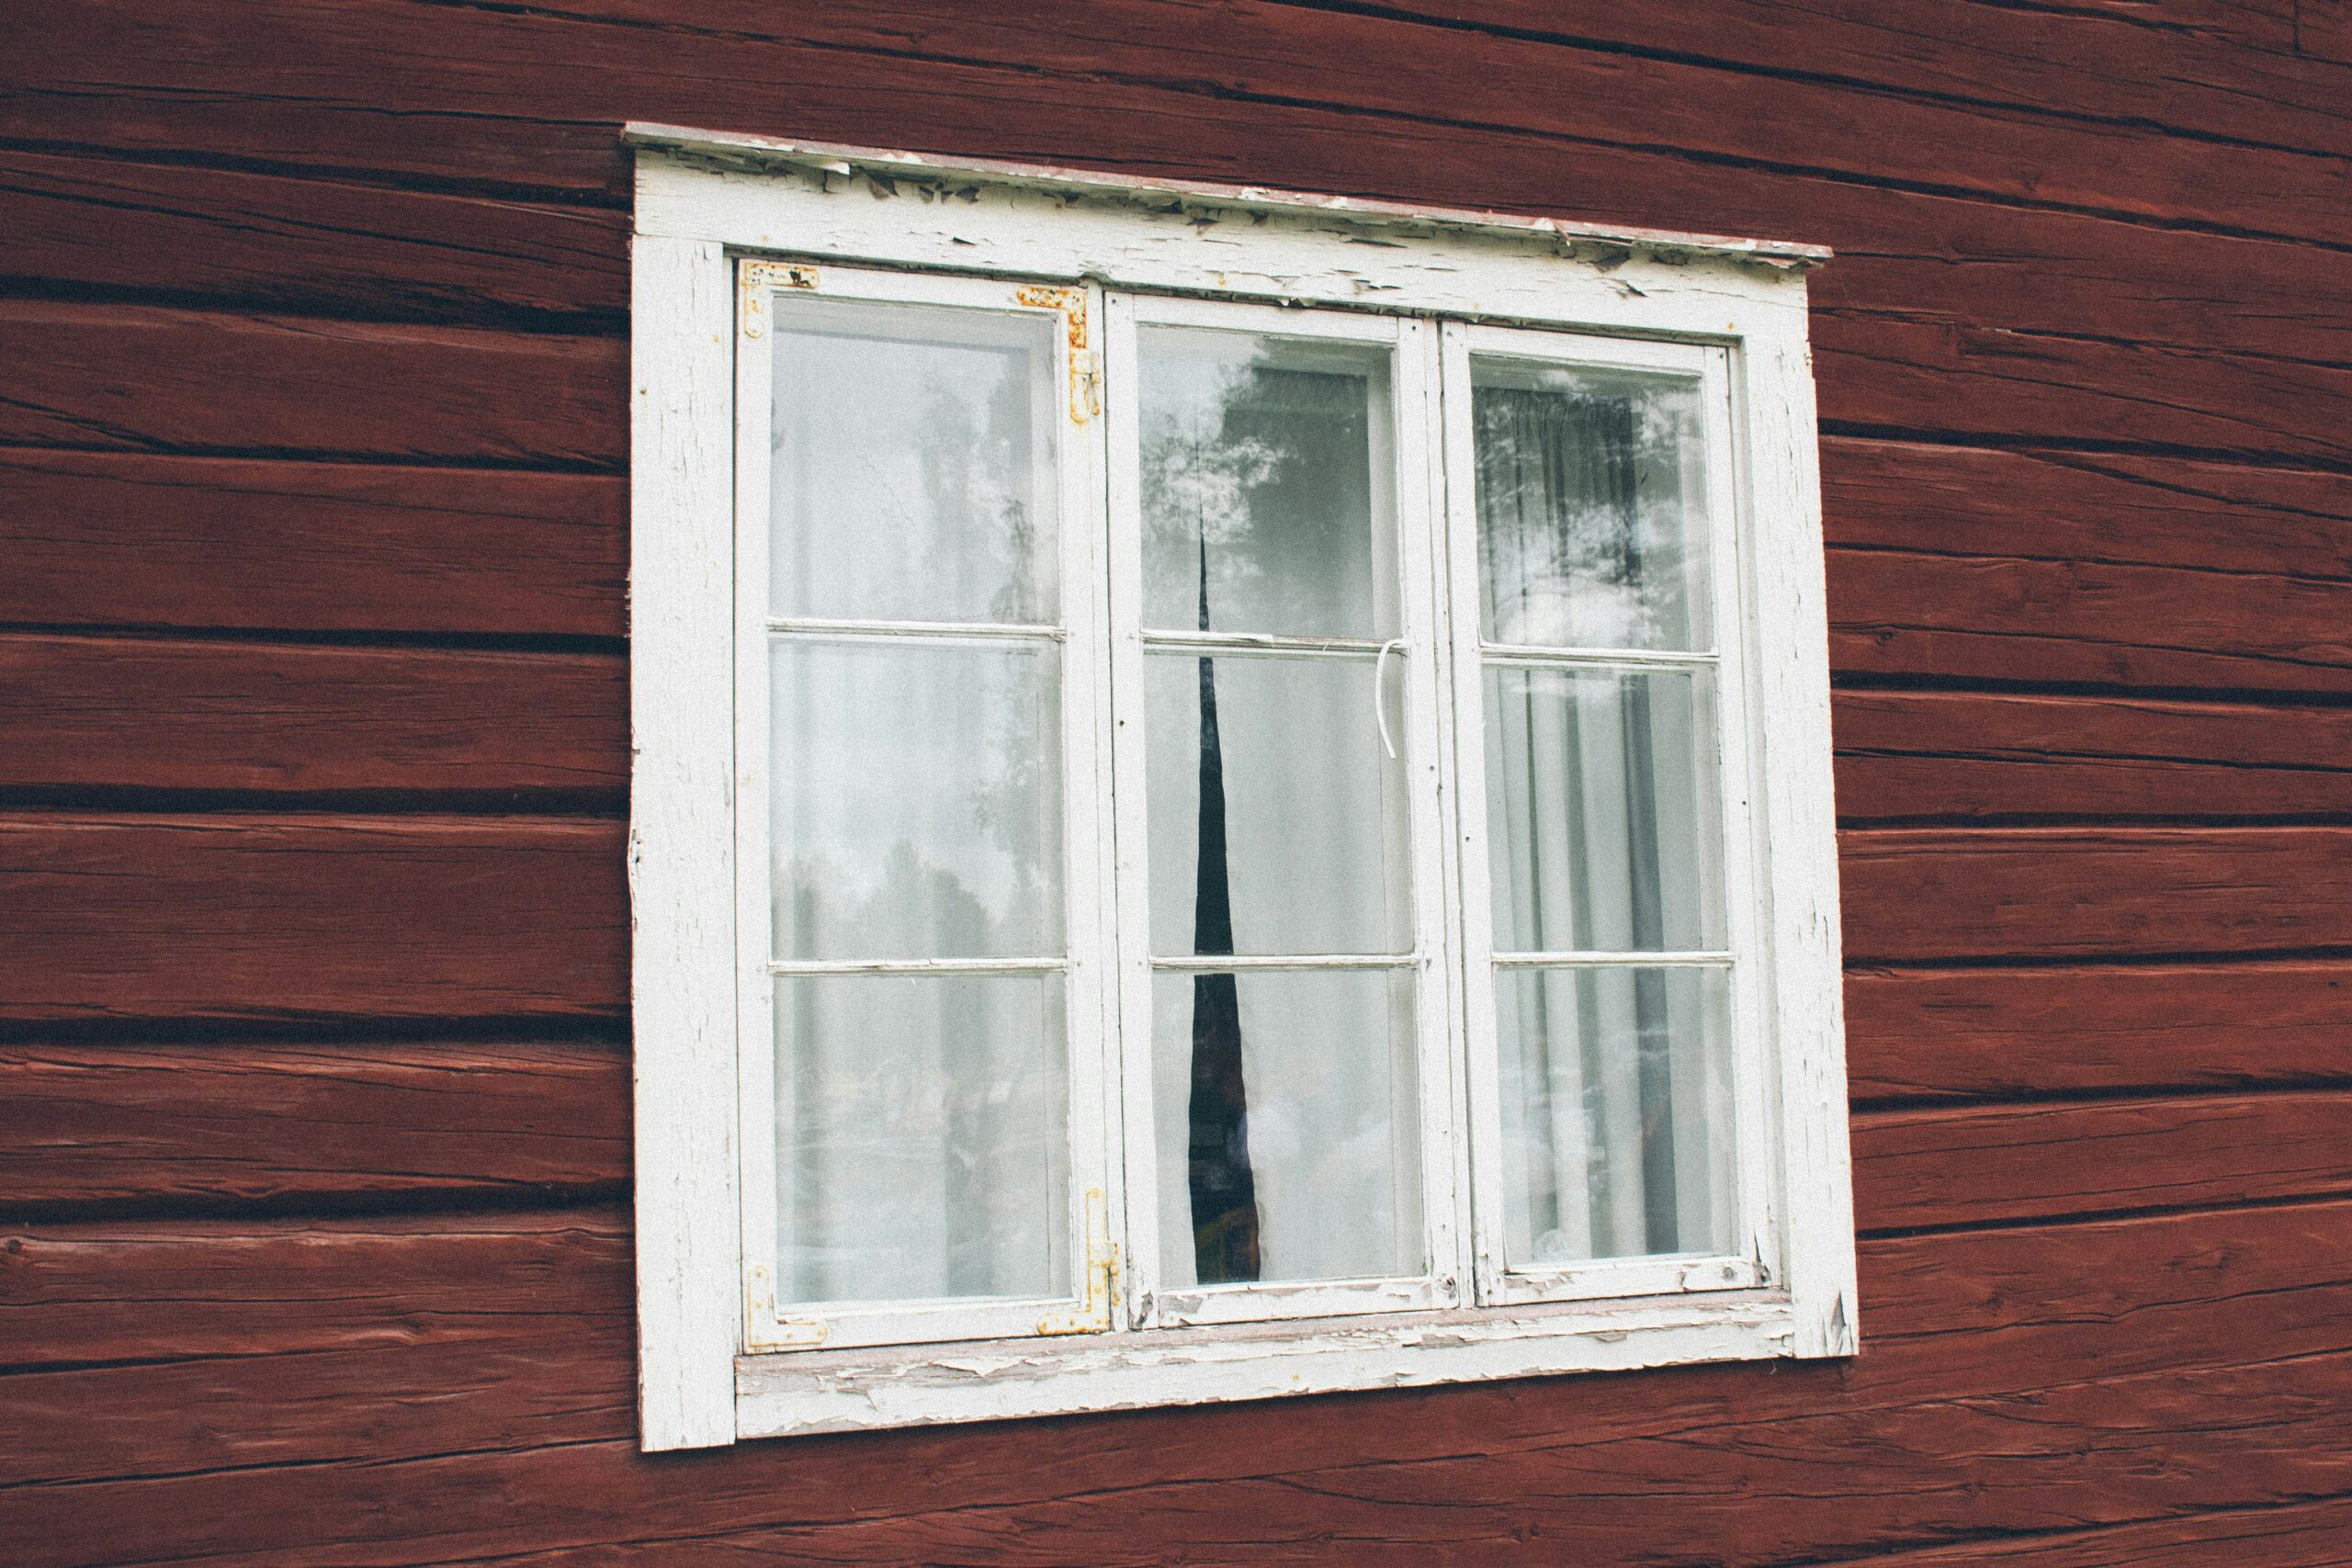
1963, 755
2305, 1535
333, 69
228, 1123
2183, 65
1995, 1033
172, 714
449, 1344
1977, 1164
307, 243
1924, 895
137, 378
122, 539
261, 917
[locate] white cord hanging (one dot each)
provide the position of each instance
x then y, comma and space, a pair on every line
1379, 708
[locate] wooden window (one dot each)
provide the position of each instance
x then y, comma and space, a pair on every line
1220, 811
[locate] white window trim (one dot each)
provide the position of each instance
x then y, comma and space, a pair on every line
705, 200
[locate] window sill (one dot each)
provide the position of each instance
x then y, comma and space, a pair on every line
798, 1392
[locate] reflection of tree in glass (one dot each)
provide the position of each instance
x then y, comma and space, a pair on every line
1581, 514
1263, 471
975, 473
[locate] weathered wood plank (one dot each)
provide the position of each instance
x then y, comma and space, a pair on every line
139, 377
225, 1123
2219, 69
246, 916
2323, 30
123, 539
1744, 1493
173, 714
1961, 755
1884, 374
402, 1338
2117, 510
1989, 1034
2304, 1535
314, 83
307, 244
1922, 895
1972, 1164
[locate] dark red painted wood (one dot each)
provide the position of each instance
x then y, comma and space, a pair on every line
313, 312
307, 243
116, 539
379, 1314
258, 916
1971, 755
139, 377
2003, 1033
1924, 894
222, 1123
164, 715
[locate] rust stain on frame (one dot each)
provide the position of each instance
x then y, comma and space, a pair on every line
756, 278
1085, 363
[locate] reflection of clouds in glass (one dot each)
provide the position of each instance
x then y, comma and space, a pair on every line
1589, 500
906, 469
1267, 465
916, 801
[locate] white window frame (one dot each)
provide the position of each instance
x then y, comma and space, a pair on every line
724, 221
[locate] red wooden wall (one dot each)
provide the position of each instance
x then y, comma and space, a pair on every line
313, 1017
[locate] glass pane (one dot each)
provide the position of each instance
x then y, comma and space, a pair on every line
1266, 485
914, 465
916, 799
1288, 1136
1601, 810
1277, 820
919, 1128
1617, 1113
1592, 508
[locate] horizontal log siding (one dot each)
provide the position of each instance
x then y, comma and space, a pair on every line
313, 1244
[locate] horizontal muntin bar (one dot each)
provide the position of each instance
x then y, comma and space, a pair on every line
1631, 658
1219, 962
814, 625
803, 968
1585, 959
1246, 643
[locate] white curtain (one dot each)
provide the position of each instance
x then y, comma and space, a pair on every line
1597, 793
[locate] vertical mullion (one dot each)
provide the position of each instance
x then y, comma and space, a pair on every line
761, 1117
1754, 1050
1475, 969
1419, 501
1131, 908
1091, 1002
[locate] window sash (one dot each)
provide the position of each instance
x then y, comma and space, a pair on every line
767, 293
1411, 660
1738, 827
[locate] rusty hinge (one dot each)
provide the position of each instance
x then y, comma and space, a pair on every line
759, 1304
1093, 1314
1085, 362
754, 279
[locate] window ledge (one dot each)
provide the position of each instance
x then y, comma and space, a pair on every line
798, 1392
